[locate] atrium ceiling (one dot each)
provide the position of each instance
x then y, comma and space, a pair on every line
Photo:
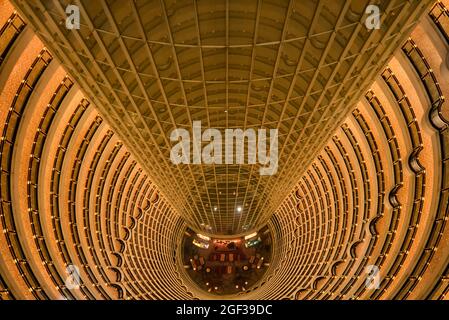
92, 208
155, 66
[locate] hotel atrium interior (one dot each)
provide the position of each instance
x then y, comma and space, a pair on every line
92, 206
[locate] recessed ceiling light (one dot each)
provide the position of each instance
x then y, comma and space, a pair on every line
239, 209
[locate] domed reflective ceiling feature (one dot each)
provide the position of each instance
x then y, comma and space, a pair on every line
230, 266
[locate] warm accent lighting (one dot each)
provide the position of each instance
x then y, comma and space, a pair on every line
199, 235
252, 235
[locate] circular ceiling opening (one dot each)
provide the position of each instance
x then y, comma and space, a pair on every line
227, 266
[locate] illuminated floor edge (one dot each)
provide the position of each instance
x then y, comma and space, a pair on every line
73, 194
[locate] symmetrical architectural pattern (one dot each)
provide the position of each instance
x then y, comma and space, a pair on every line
369, 191
154, 66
